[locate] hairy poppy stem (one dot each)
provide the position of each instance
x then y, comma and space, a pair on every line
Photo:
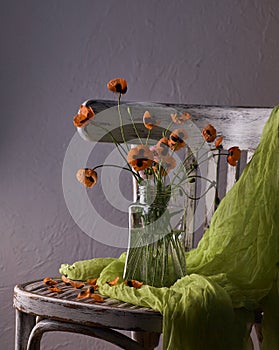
134, 125
148, 135
121, 122
137, 177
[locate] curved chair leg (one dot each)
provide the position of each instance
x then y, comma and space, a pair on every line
47, 325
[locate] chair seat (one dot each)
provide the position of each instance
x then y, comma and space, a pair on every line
34, 298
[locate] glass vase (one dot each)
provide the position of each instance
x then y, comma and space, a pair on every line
156, 254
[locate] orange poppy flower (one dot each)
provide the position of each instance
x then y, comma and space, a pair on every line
140, 157
87, 177
167, 164
209, 133
176, 139
218, 142
117, 85
234, 154
162, 146
180, 118
149, 122
84, 115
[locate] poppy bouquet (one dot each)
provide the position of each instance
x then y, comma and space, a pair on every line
162, 167
157, 161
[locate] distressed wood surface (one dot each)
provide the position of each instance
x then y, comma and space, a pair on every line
35, 298
225, 176
24, 325
241, 126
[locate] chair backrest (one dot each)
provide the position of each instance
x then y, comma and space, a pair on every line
240, 126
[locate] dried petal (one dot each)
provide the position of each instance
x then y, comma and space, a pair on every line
97, 297
133, 283
92, 281
69, 282
83, 294
113, 282
77, 285
66, 280
55, 289
49, 281
136, 284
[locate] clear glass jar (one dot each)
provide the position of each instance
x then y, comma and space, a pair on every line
156, 254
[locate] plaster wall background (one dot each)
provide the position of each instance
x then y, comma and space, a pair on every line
55, 54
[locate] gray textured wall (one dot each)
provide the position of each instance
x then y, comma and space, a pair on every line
57, 53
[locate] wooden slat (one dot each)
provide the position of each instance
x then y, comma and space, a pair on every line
225, 177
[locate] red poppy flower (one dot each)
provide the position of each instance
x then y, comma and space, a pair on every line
117, 85
209, 133
87, 177
140, 157
234, 154
176, 139
149, 122
84, 115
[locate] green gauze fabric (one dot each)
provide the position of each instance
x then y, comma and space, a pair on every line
233, 270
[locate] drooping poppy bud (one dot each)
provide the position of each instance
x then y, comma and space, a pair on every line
117, 85
218, 142
85, 114
87, 177
149, 121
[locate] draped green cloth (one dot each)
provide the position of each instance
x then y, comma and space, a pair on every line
233, 271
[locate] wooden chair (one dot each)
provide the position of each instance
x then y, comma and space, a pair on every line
39, 310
